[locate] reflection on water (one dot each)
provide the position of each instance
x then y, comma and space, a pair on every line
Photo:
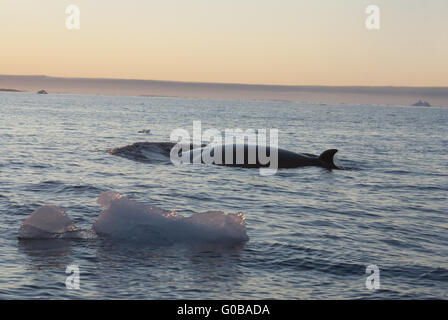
118, 266
45, 247
192, 267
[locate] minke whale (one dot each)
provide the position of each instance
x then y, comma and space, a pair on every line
254, 156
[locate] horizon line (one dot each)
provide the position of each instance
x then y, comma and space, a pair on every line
222, 83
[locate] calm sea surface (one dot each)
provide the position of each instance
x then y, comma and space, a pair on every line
312, 231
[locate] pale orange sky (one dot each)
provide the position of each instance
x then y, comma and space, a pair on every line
312, 42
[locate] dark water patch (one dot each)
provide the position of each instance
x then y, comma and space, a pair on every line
350, 165
437, 274
402, 187
41, 166
324, 266
401, 244
16, 163
59, 187
415, 272
82, 189
20, 209
45, 247
295, 248
386, 293
354, 213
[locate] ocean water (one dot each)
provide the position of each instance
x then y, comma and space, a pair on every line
312, 232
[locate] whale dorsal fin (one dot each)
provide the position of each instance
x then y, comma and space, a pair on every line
327, 157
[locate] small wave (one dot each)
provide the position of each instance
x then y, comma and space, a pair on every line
61, 187
80, 189
47, 185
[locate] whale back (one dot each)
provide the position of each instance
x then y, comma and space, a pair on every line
286, 159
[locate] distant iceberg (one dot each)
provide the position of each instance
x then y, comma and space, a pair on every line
421, 103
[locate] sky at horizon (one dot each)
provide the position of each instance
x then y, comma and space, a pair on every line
286, 42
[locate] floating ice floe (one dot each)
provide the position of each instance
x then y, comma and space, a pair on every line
48, 221
130, 220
